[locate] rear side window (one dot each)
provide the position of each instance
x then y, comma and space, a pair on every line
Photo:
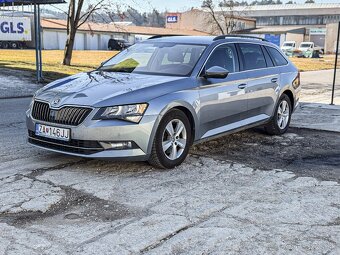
277, 57
252, 56
268, 58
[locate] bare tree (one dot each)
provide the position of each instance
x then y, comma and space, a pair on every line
223, 16
76, 17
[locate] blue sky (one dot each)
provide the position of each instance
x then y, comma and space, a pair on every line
180, 5
170, 5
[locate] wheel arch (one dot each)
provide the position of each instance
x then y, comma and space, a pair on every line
290, 94
183, 106
191, 119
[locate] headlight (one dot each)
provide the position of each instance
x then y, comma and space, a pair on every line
133, 112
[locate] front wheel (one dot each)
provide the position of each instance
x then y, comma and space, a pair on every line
172, 140
279, 124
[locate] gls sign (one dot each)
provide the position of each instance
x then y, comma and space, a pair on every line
15, 29
172, 19
8, 27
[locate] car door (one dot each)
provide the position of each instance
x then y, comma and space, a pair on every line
263, 81
223, 100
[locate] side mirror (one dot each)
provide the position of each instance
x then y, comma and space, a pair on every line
216, 72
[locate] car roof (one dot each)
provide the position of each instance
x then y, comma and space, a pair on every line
207, 40
185, 39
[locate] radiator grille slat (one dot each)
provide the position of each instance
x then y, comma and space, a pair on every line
67, 115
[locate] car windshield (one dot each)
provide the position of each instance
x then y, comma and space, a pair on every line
171, 59
288, 44
305, 45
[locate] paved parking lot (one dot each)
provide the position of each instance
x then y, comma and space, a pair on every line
246, 193
317, 86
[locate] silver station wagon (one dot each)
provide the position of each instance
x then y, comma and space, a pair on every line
152, 101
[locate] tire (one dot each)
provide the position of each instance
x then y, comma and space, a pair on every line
177, 146
14, 45
279, 123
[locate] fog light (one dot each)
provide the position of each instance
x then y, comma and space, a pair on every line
116, 145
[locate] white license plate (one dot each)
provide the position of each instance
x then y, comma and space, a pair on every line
52, 132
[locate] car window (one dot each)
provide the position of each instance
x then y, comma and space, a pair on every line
268, 58
252, 56
277, 57
224, 56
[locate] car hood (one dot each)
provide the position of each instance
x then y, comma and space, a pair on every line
100, 89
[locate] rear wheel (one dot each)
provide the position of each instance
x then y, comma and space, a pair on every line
279, 124
5, 45
14, 45
172, 140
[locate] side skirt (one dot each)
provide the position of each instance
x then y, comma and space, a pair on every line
232, 130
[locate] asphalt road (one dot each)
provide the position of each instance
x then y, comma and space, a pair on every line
245, 193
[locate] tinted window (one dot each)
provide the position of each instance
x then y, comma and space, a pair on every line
277, 57
253, 57
224, 56
268, 58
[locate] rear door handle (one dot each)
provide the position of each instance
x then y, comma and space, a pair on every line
274, 80
242, 86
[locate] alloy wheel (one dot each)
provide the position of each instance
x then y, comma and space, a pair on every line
283, 113
174, 139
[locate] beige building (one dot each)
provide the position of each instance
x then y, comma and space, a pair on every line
331, 37
201, 20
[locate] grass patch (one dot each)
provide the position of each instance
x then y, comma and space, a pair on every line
314, 64
83, 61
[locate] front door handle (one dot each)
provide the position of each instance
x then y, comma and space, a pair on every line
274, 80
242, 86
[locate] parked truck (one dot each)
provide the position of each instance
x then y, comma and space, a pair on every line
288, 47
15, 32
308, 50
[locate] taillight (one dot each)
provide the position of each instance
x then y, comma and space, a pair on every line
296, 82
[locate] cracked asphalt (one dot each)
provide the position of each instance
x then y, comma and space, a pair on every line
246, 193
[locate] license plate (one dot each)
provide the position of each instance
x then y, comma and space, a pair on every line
52, 132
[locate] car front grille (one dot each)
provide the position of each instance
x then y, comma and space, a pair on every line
73, 146
67, 115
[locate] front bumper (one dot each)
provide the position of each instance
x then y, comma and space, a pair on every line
86, 138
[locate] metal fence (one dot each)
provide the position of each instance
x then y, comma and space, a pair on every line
336, 78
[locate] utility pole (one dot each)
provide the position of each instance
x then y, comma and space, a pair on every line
335, 64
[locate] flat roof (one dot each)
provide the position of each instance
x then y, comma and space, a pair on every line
273, 10
276, 29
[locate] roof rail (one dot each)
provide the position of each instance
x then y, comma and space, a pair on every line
239, 36
160, 36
